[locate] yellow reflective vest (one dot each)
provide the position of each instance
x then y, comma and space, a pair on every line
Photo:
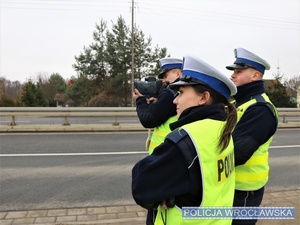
254, 174
159, 134
217, 169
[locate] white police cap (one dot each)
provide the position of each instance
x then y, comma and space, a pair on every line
196, 71
167, 64
246, 59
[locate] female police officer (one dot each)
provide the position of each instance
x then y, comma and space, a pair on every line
195, 165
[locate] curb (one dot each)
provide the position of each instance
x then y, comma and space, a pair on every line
132, 214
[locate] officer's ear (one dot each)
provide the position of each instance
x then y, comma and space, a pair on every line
178, 73
256, 75
205, 98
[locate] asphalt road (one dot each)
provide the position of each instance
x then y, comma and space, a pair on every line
42, 171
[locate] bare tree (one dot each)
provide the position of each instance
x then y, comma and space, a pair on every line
293, 83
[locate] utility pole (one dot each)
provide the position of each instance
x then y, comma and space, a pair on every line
132, 52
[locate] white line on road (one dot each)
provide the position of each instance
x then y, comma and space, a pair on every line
102, 153
286, 146
72, 154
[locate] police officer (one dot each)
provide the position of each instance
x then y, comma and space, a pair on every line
257, 123
159, 113
194, 166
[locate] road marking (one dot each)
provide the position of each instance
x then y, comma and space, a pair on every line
72, 133
71, 154
103, 153
286, 146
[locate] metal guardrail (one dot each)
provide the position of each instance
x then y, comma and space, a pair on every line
288, 112
66, 112
116, 112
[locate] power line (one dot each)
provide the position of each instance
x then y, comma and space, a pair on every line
162, 9
295, 27
208, 15
54, 5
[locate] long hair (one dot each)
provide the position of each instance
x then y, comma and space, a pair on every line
231, 114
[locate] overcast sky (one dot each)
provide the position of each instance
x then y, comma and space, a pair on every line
43, 36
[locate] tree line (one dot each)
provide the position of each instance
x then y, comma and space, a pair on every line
104, 70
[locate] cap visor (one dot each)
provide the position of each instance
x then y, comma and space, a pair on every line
234, 66
162, 73
179, 83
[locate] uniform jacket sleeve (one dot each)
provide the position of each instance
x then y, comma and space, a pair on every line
256, 126
163, 175
155, 114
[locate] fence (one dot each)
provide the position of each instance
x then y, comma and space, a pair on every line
66, 112
116, 112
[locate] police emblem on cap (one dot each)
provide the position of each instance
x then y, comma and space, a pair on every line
196, 71
167, 64
246, 59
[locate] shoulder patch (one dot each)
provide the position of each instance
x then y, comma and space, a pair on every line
259, 98
185, 146
261, 101
176, 135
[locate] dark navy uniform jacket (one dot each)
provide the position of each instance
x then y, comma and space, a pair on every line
166, 173
155, 114
256, 126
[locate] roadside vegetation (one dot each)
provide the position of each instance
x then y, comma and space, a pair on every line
104, 74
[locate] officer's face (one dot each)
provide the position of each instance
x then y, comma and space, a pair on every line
171, 75
240, 77
186, 98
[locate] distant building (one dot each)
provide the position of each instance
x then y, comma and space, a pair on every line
270, 83
59, 99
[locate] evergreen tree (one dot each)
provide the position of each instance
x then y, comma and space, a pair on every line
92, 63
119, 57
28, 94
142, 55
81, 91
33, 95
40, 96
57, 82
51, 86
107, 61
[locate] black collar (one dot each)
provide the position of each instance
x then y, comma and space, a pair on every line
192, 114
248, 91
